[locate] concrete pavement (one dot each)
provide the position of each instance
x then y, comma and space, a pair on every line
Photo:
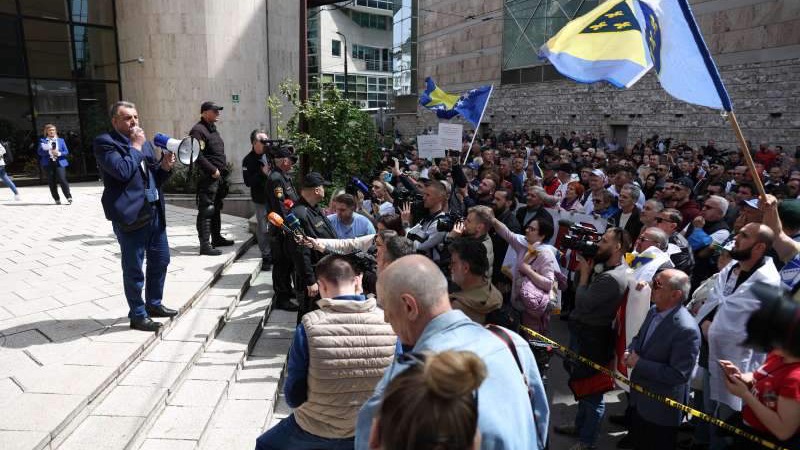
64, 332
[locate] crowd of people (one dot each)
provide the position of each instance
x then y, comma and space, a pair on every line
418, 288
664, 295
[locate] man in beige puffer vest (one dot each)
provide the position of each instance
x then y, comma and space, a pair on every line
337, 357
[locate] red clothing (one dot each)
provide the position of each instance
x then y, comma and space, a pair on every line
689, 211
550, 186
772, 380
767, 158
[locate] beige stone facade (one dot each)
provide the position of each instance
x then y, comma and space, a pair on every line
197, 50
755, 43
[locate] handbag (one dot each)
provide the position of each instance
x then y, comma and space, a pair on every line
599, 383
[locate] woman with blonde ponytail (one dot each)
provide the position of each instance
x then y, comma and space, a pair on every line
433, 405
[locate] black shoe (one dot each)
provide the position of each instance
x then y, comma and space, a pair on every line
220, 241
145, 324
209, 250
69, 200
285, 305
266, 264
160, 311
618, 419
625, 442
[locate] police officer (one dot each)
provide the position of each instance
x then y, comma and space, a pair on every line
280, 190
314, 224
211, 184
255, 173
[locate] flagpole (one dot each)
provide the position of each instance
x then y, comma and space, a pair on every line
475, 134
747, 158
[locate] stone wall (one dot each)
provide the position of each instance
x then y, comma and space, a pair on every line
756, 44
197, 50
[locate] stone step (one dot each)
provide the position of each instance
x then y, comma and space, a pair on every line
248, 408
127, 405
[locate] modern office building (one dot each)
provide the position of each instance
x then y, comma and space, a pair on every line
355, 34
65, 61
465, 43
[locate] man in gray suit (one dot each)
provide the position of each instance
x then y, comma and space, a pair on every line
662, 357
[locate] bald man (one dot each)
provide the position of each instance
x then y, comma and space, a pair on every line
416, 304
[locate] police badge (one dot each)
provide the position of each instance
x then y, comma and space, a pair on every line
279, 192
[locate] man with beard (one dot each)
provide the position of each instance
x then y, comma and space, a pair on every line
601, 286
736, 303
503, 208
679, 193
485, 193
476, 295
476, 226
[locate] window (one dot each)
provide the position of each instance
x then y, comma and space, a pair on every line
99, 12
336, 47
48, 9
529, 24
367, 20
12, 61
380, 4
95, 53
376, 59
49, 49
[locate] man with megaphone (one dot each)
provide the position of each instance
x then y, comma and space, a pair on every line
212, 187
133, 202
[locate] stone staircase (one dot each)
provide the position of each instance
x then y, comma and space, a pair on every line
210, 381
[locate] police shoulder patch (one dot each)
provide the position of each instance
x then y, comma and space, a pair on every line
279, 192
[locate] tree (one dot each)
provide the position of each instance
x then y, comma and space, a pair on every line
341, 140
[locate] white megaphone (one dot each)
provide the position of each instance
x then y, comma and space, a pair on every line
187, 149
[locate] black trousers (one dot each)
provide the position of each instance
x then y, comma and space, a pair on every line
210, 194
650, 436
282, 266
57, 175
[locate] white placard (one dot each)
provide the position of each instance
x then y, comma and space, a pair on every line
450, 136
428, 146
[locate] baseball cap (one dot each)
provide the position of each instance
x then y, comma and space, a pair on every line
753, 203
685, 182
789, 212
285, 152
598, 173
210, 105
314, 179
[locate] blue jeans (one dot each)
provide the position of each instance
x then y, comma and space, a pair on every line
151, 242
590, 408
288, 435
7, 180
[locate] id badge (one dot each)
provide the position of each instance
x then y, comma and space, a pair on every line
151, 194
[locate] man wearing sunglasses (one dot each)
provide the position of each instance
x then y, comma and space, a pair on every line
668, 220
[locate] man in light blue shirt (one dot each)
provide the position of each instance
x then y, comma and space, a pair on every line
511, 416
346, 222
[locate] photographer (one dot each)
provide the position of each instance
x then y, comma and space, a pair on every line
476, 226
427, 239
602, 281
255, 173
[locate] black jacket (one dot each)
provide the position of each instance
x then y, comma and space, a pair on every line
254, 177
316, 225
634, 225
279, 188
522, 212
212, 147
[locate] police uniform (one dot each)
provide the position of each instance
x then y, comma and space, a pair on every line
280, 189
314, 224
210, 191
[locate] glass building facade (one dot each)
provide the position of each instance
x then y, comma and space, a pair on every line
528, 24
59, 64
404, 47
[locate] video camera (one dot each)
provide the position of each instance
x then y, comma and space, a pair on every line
448, 221
583, 240
402, 196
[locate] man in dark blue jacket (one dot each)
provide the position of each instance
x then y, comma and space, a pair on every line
133, 202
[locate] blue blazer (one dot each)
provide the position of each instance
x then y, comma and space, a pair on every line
666, 363
120, 164
44, 153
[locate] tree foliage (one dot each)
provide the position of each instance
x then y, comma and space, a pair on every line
341, 140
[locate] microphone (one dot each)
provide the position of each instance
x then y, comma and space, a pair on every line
288, 203
277, 221
360, 185
293, 224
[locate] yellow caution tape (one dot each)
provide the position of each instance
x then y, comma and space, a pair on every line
660, 398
